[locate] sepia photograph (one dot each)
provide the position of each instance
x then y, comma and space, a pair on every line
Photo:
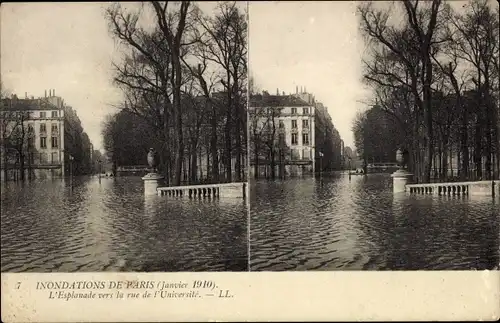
124, 137
374, 135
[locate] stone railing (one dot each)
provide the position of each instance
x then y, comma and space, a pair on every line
237, 190
485, 188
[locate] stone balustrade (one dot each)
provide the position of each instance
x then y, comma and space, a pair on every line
236, 190
485, 188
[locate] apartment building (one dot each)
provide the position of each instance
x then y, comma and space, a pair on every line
33, 135
282, 134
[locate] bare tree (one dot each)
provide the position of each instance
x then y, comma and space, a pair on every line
401, 57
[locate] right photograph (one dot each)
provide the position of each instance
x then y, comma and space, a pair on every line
374, 135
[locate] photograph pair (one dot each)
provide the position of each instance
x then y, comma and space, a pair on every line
250, 136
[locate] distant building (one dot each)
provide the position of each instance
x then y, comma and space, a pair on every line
39, 132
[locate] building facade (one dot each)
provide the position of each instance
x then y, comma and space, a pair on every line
33, 138
282, 135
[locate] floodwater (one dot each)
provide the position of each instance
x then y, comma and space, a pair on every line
334, 223
47, 226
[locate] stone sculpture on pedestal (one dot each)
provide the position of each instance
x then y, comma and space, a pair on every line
152, 180
401, 177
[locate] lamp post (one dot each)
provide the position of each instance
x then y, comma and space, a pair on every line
320, 163
71, 169
99, 170
349, 170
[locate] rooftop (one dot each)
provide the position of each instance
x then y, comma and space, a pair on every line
267, 100
16, 104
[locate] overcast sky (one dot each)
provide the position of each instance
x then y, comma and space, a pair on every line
310, 44
66, 47
61, 46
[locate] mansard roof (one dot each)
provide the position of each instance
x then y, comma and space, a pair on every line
267, 100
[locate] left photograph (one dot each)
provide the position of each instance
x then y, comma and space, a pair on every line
123, 133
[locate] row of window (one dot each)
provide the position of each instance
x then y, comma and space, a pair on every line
43, 127
43, 158
54, 114
304, 110
295, 138
306, 154
43, 142
305, 124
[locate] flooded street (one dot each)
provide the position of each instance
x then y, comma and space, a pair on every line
359, 224
112, 226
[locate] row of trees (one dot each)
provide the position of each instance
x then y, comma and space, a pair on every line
436, 73
16, 139
184, 75
377, 136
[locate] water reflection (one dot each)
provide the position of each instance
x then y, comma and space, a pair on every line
111, 226
335, 223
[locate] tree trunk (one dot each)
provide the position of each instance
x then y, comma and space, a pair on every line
227, 137
256, 160
5, 166
477, 150
213, 148
194, 165
273, 163
445, 160
237, 166
465, 147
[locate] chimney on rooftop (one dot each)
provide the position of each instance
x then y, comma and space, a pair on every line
25, 95
54, 92
45, 93
296, 89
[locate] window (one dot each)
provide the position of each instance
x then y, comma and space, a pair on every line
55, 158
42, 115
305, 124
282, 125
54, 127
294, 124
31, 141
294, 110
43, 142
31, 130
305, 139
43, 158
54, 114
294, 139
281, 139
305, 110
295, 154
54, 142
43, 127
31, 158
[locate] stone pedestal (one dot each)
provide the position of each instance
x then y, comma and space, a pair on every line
151, 182
399, 180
